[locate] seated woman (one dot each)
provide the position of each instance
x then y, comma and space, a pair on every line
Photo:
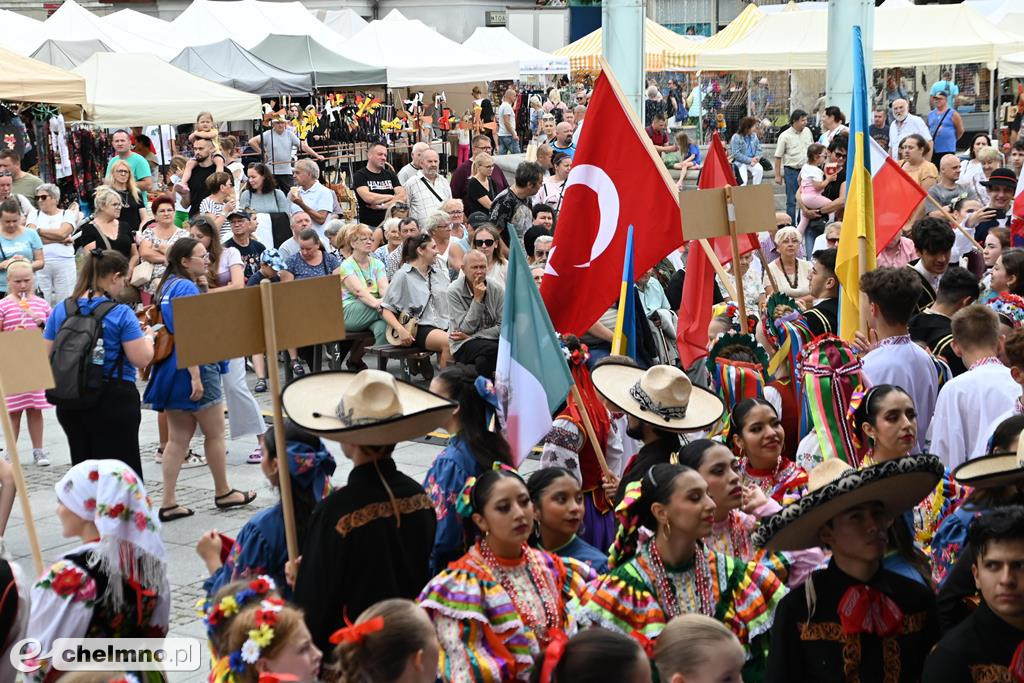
472, 449
558, 508
668, 573
365, 284
420, 290
499, 606
260, 546
115, 584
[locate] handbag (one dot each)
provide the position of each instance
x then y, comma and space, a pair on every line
409, 322
163, 343
142, 275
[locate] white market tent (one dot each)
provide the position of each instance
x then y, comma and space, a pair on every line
967, 37
500, 42
71, 21
345, 22
141, 24
169, 95
1012, 66
67, 54
428, 58
248, 22
21, 34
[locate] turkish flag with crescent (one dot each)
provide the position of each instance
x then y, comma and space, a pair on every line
617, 180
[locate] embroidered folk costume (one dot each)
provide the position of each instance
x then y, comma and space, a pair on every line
371, 539
839, 628
114, 586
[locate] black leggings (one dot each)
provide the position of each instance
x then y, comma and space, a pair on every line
108, 430
480, 353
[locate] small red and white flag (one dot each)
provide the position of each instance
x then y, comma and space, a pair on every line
617, 180
896, 196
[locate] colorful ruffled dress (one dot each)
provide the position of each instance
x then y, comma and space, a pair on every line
580, 550
785, 484
484, 638
949, 540
742, 595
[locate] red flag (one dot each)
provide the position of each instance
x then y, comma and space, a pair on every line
698, 287
896, 196
617, 180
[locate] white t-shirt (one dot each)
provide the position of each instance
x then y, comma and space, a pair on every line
319, 198
505, 109
810, 173
42, 220
229, 257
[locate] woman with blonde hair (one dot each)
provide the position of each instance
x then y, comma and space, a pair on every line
365, 283
107, 229
121, 180
693, 647
487, 239
792, 274
990, 159
480, 190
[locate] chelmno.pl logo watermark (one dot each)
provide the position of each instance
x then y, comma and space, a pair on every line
109, 654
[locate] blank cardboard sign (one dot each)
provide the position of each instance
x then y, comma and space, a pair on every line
705, 215
223, 325
24, 364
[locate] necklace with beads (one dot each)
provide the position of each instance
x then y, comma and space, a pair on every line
768, 484
551, 616
696, 598
738, 536
796, 276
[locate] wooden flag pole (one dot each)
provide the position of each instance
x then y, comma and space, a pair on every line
948, 216
719, 268
19, 483
735, 244
280, 443
862, 262
589, 427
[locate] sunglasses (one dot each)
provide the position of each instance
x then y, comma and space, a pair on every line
400, 206
832, 240
483, 243
41, 197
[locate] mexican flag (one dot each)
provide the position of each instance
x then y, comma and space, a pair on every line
532, 378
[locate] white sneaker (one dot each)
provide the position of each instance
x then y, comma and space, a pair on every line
39, 456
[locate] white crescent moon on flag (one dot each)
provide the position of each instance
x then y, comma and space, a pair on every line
597, 180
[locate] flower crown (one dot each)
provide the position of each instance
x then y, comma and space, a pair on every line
260, 638
1010, 308
230, 605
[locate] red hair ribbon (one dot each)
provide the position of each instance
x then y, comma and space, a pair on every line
553, 654
271, 677
354, 633
646, 643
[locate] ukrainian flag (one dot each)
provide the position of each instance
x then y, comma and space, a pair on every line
856, 253
624, 340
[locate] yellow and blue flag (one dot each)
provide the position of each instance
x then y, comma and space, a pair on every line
856, 253
624, 340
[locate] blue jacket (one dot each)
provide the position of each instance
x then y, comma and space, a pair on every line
743, 148
443, 483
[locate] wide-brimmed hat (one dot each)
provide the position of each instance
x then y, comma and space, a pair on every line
369, 408
661, 395
1004, 177
991, 471
833, 486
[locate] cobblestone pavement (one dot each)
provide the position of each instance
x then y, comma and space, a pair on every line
195, 490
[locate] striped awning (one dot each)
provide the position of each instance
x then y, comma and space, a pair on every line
664, 49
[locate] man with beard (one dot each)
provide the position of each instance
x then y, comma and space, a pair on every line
904, 123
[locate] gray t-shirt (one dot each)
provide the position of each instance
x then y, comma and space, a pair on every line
277, 150
944, 196
506, 110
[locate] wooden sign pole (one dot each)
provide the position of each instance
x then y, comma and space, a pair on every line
730, 210
589, 427
719, 268
19, 482
280, 443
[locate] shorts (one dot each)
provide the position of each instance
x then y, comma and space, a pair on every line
422, 332
213, 390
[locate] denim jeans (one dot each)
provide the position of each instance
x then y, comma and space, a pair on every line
792, 178
508, 144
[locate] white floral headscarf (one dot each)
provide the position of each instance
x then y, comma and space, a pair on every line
110, 495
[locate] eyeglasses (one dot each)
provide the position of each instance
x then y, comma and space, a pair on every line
483, 243
832, 240
204, 258
41, 197
121, 170
539, 253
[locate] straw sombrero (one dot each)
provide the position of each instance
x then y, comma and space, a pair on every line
833, 486
368, 408
661, 395
990, 471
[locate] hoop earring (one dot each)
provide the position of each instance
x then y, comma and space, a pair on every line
668, 529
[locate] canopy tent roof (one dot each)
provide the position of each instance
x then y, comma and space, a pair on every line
437, 61
141, 90
327, 69
344, 22
71, 21
585, 54
28, 80
228, 63
21, 34
802, 6
67, 54
1012, 66
685, 55
141, 24
967, 37
500, 42
248, 22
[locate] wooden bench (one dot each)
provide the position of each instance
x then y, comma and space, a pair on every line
333, 353
403, 354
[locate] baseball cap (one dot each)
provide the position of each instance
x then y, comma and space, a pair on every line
241, 213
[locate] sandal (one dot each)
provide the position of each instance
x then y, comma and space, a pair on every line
247, 498
165, 517
255, 457
193, 459
159, 457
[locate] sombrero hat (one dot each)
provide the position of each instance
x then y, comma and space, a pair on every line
661, 395
990, 471
368, 408
833, 486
